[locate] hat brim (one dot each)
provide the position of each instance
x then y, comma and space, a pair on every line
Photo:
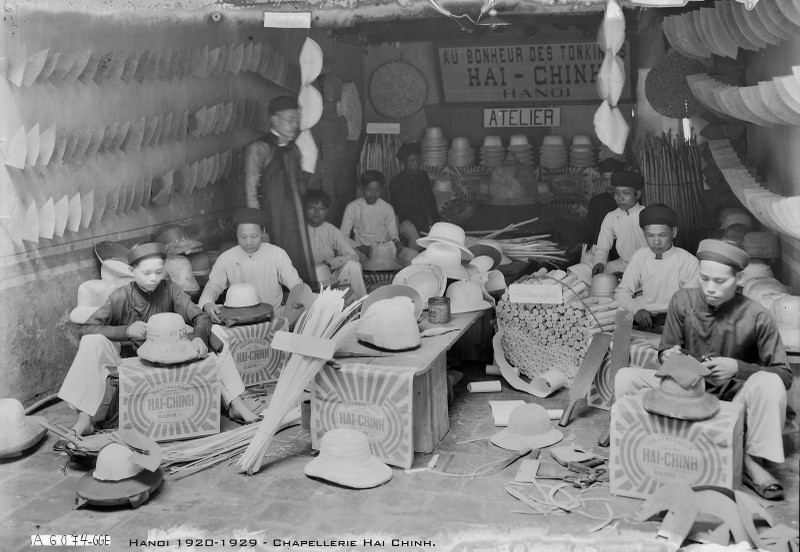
134, 491
455, 272
174, 353
185, 246
466, 254
682, 408
488, 251
79, 315
380, 265
456, 308
232, 316
402, 277
391, 291
34, 432
365, 475
514, 441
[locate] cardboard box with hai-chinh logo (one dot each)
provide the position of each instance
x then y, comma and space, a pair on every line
648, 450
256, 361
180, 401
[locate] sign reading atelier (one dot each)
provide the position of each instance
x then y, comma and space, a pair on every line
512, 117
525, 73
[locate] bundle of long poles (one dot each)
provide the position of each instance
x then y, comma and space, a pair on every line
379, 153
533, 247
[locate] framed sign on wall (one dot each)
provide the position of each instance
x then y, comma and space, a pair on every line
551, 73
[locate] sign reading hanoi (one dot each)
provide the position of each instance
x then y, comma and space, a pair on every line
529, 73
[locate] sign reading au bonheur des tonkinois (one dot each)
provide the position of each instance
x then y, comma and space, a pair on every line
525, 73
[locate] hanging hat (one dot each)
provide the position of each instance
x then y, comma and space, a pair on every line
528, 427
180, 271
18, 432
723, 253
610, 165
167, 342
681, 393
449, 233
92, 294
118, 479
466, 297
175, 240
281, 103
627, 179
143, 251
113, 258
496, 254
412, 148
243, 306
345, 459
658, 213
495, 282
446, 256
427, 279
496, 245
390, 324
381, 257
249, 215
391, 291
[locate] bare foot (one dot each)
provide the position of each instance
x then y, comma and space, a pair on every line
84, 425
760, 480
238, 409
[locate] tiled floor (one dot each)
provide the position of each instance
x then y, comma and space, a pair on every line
422, 509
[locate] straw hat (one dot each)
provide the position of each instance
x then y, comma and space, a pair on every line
553, 140
492, 141
485, 249
390, 325
428, 279
92, 294
445, 256
484, 263
681, 393
448, 233
381, 257
581, 140
345, 459
167, 342
496, 245
434, 133
518, 140
391, 291
243, 306
466, 297
528, 427
174, 238
18, 432
495, 281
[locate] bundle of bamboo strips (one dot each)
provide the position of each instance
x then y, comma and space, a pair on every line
379, 154
533, 248
541, 337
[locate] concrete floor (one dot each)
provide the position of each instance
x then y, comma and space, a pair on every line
424, 510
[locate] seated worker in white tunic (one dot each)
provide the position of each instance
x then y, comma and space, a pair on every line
620, 227
329, 245
371, 220
738, 341
123, 318
266, 266
657, 271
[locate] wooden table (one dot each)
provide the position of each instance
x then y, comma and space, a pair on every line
430, 416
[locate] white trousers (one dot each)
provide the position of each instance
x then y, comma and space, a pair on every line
350, 273
98, 357
762, 395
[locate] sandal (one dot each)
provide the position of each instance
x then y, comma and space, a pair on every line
771, 489
61, 444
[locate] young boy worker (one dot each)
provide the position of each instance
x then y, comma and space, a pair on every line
123, 318
329, 245
621, 224
738, 341
658, 270
264, 265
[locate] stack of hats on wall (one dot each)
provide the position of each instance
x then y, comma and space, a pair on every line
519, 146
443, 190
433, 148
581, 154
461, 153
178, 265
492, 151
553, 152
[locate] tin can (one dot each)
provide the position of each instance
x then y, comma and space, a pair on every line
439, 310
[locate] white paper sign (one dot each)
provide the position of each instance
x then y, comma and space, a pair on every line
549, 294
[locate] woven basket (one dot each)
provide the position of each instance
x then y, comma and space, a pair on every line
397, 90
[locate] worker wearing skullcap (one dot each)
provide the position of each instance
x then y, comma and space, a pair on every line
411, 195
737, 339
620, 227
657, 271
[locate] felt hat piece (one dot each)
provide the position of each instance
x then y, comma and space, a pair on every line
450, 234
724, 253
446, 256
92, 294
18, 432
167, 341
681, 393
528, 427
390, 325
118, 479
176, 241
243, 306
382, 257
391, 291
466, 296
427, 279
345, 459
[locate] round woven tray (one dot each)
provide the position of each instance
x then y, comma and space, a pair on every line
397, 90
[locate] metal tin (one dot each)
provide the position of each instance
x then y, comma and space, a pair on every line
439, 310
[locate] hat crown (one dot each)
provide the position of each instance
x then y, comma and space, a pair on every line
390, 324
344, 444
12, 417
669, 386
385, 250
166, 327
448, 232
529, 420
496, 281
461, 142
483, 263
114, 464
464, 292
442, 254
518, 140
241, 296
603, 285
553, 140
426, 283
492, 140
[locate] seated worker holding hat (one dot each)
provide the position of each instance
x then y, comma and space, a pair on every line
658, 270
123, 318
253, 261
373, 221
412, 196
738, 341
621, 225
329, 245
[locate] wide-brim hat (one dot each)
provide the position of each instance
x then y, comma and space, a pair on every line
452, 270
240, 316
528, 427
18, 432
167, 342
466, 296
446, 232
482, 249
394, 290
381, 258
702, 407
133, 491
423, 277
345, 459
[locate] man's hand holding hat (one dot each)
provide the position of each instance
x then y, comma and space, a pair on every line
137, 331
212, 310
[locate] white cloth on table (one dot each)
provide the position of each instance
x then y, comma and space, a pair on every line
622, 226
658, 279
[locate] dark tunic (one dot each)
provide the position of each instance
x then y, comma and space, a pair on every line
412, 199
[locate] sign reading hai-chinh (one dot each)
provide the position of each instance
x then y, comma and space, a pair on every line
525, 73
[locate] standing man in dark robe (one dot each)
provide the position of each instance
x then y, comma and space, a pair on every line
273, 184
412, 196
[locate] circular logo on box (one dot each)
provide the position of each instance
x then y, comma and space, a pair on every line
364, 417
251, 355
170, 402
669, 458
